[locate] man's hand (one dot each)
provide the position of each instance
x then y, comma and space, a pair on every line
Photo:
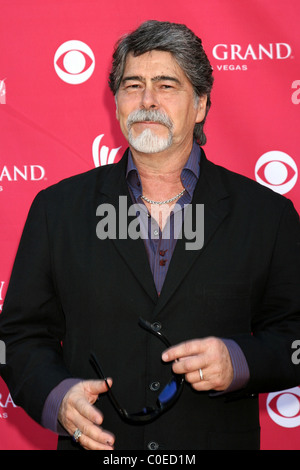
208, 354
77, 412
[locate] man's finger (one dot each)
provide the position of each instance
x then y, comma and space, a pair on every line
96, 387
90, 444
189, 364
92, 436
88, 411
185, 349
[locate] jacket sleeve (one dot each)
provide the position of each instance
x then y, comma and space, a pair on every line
32, 323
276, 319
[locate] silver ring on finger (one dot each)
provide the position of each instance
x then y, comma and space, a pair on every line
201, 374
77, 435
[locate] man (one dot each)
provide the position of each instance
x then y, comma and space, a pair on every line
230, 306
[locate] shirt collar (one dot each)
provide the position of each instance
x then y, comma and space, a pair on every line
192, 165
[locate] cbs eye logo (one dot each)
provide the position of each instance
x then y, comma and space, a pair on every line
284, 407
277, 171
74, 62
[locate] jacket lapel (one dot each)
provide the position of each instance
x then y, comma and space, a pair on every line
132, 251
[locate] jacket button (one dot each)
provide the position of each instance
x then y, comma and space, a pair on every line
154, 386
152, 445
156, 326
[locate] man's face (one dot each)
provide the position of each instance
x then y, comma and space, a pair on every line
155, 88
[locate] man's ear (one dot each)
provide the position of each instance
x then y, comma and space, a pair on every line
117, 111
201, 108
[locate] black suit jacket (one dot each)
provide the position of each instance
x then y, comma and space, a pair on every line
70, 289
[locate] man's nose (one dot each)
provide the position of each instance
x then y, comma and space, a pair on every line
149, 99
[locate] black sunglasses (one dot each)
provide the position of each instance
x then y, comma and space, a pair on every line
166, 398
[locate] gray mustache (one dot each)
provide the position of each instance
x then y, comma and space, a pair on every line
153, 115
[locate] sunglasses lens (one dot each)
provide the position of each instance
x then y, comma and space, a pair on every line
169, 392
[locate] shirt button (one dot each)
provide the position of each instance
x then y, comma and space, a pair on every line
154, 386
155, 232
153, 445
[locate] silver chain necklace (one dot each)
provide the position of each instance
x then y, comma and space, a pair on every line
163, 202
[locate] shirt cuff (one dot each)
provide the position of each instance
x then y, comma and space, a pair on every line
52, 405
241, 373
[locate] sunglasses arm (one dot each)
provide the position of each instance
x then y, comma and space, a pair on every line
149, 327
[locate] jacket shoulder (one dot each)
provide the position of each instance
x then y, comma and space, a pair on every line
246, 188
80, 182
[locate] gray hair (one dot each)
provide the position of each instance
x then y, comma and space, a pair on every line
182, 43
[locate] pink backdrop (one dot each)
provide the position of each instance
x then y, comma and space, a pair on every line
58, 118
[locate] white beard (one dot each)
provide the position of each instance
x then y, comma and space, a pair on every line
149, 142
